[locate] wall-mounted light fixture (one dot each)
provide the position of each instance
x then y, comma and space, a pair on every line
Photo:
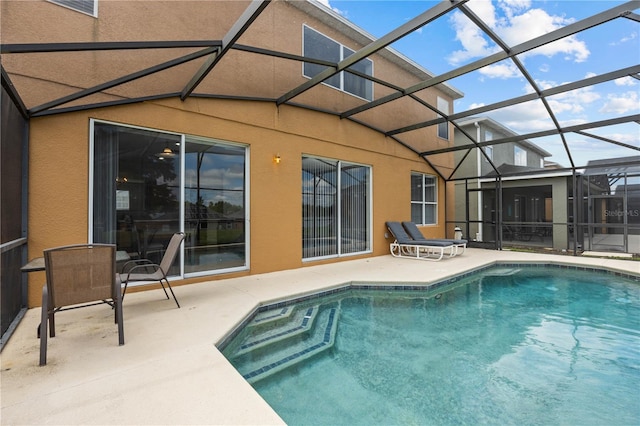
276, 158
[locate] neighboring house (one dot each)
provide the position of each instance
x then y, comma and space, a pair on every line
510, 157
537, 196
256, 186
533, 205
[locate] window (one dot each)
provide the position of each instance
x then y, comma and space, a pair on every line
147, 185
443, 128
519, 156
488, 136
336, 208
424, 199
318, 46
90, 7
489, 151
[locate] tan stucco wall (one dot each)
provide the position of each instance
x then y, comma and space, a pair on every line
59, 172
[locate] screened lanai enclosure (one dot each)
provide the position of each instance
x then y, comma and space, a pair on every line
543, 135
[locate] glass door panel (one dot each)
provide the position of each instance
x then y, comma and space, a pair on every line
214, 206
319, 207
136, 190
354, 196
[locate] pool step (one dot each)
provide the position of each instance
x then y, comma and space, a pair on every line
258, 363
299, 322
272, 316
501, 272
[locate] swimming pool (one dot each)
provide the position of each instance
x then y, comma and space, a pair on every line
509, 345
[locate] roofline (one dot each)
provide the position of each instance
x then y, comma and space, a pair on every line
318, 10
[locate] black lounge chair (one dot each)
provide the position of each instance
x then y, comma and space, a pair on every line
405, 246
414, 232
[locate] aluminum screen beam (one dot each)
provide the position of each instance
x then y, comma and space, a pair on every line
570, 129
602, 78
563, 32
98, 46
239, 27
122, 80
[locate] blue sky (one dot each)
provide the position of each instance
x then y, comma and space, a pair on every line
453, 40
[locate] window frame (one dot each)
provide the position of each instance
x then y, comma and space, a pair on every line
443, 128
343, 75
184, 138
519, 156
488, 150
339, 164
423, 202
71, 4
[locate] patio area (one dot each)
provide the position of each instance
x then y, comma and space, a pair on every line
169, 370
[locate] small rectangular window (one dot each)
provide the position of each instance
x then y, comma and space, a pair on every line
519, 156
90, 7
489, 151
443, 128
319, 46
424, 199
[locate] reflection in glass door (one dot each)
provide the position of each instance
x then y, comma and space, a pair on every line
214, 206
136, 190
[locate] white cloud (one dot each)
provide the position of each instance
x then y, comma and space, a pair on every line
621, 103
625, 81
574, 101
327, 4
524, 118
516, 24
630, 37
501, 70
472, 39
628, 138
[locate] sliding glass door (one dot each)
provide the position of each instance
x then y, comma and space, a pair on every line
336, 208
147, 185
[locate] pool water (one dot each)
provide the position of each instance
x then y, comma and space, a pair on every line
523, 347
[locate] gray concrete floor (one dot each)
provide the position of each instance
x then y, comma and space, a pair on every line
169, 370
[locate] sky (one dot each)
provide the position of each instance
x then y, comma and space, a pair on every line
453, 40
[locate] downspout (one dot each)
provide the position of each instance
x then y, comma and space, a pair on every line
479, 173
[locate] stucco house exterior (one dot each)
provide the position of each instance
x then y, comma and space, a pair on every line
255, 185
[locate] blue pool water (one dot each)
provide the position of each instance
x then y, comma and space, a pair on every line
529, 346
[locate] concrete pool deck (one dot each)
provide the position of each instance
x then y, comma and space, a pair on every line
169, 370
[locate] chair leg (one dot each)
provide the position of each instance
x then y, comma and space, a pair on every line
44, 319
163, 287
120, 321
124, 290
171, 290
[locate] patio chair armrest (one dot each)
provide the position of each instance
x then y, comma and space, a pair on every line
143, 266
135, 262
